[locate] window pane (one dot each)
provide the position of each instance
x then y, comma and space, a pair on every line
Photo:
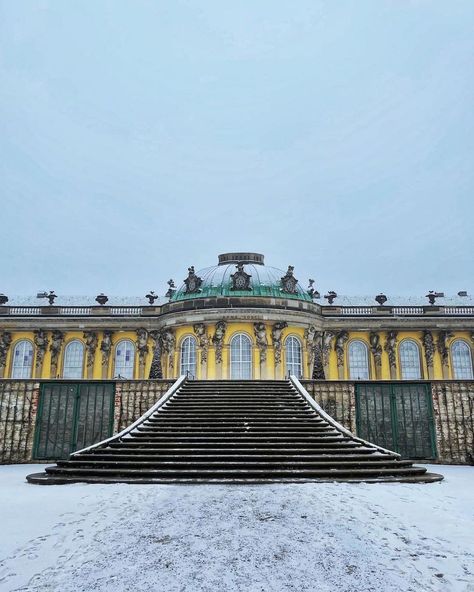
188, 357
293, 356
73, 360
240, 357
124, 359
22, 360
409, 360
462, 360
358, 361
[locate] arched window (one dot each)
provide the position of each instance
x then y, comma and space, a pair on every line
293, 356
461, 357
73, 360
409, 353
188, 357
22, 364
124, 359
358, 361
240, 357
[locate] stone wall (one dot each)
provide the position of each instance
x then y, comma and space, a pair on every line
133, 398
337, 398
453, 405
18, 404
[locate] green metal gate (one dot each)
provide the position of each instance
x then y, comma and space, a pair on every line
72, 416
397, 416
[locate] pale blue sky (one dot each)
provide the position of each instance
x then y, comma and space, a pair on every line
140, 137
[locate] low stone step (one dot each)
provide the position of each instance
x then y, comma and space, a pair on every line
231, 429
203, 456
243, 448
231, 472
208, 464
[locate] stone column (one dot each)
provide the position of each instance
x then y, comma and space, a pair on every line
91, 340
429, 349
5, 342
41, 343
156, 370
376, 350
277, 330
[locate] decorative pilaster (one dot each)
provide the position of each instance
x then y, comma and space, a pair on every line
5, 342
156, 370
376, 349
443, 350
328, 337
341, 340
142, 349
106, 348
277, 331
41, 343
391, 349
218, 341
203, 340
57, 341
429, 348
261, 340
309, 337
318, 367
168, 345
91, 340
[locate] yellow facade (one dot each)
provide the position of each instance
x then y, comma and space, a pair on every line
214, 370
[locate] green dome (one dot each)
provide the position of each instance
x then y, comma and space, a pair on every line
217, 281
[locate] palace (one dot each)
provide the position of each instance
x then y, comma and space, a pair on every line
397, 372
239, 319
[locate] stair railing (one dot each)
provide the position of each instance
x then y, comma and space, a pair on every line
117, 437
304, 393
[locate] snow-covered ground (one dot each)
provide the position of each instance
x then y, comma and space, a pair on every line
221, 538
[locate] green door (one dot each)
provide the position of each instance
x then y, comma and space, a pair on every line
72, 416
397, 416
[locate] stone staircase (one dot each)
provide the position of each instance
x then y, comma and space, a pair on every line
234, 431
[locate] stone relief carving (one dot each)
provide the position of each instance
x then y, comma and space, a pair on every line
5, 342
429, 347
443, 349
171, 289
391, 348
376, 348
277, 331
168, 344
192, 282
309, 335
91, 340
240, 279
202, 339
57, 340
106, 347
142, 344
218, 339
327, 338
318, 368
289, 282
41, 342
339, 346
261, 340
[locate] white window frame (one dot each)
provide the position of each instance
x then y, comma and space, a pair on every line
465, 371
355, 372
241, 364
74, 368
123, 367
410, 369
292, 347
23, 370
188, 356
